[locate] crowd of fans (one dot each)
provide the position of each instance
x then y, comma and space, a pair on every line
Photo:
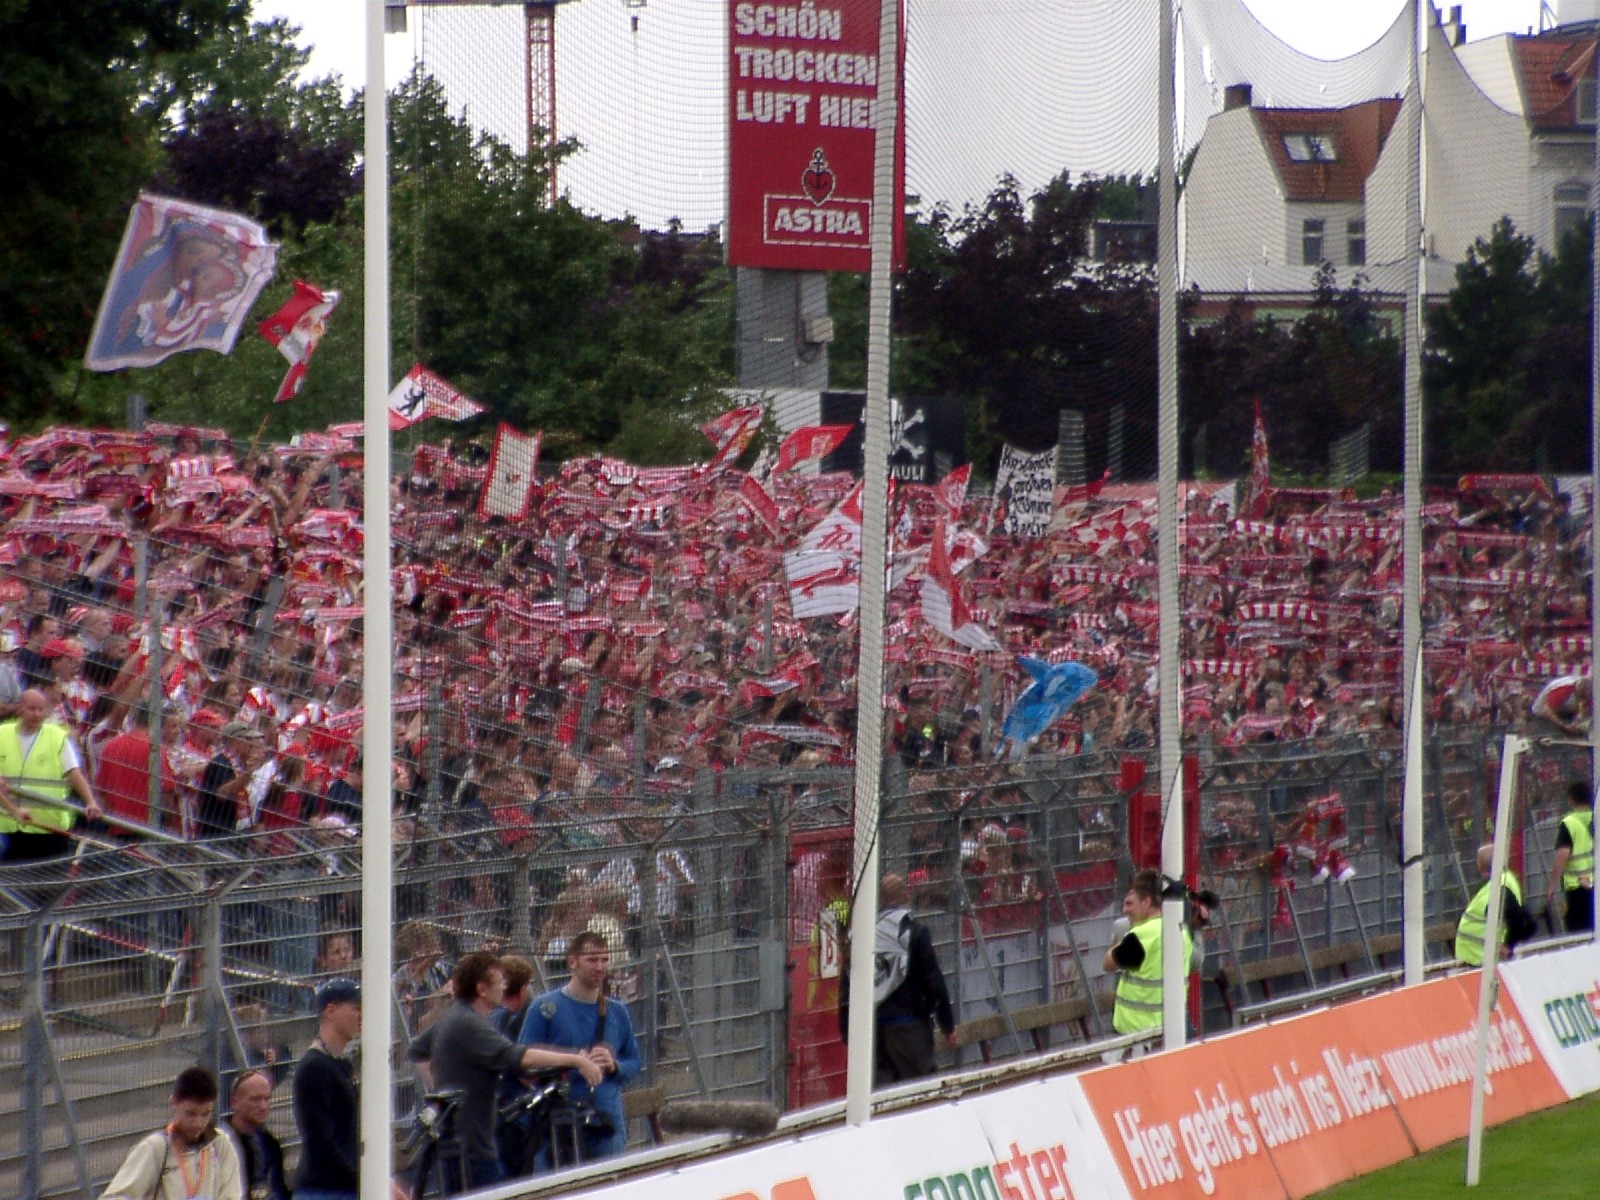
636, 628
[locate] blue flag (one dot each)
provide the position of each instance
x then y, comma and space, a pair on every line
1055, 688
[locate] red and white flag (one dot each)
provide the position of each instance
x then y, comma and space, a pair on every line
941, 603
509, 489
755, 498
422, 394
810, 444
825, 572
951, 491
731, 433
296, 329
1260, 470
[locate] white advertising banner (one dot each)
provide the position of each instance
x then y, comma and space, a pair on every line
1036, 1141
1558, 995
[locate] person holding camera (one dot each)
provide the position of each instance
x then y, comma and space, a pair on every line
580, 1016
1136, 953
469, 1054
187, 1160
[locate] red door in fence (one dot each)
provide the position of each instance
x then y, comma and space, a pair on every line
819, 915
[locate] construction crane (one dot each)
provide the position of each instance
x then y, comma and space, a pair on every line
539, 65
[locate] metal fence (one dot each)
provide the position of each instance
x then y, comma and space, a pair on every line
726, 900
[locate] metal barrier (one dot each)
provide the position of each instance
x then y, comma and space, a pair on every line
725, 900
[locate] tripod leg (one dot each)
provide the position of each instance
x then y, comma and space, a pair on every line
421, 1170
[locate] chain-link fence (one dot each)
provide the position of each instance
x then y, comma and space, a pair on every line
726, 900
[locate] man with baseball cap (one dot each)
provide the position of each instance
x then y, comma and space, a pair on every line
326, 1111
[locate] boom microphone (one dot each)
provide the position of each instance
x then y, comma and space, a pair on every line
742, 1118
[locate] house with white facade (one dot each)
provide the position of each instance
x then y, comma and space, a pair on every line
1508, 130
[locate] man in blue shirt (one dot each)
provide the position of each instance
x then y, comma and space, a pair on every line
580, 1016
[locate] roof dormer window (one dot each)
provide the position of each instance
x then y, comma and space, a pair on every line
1310, 147
1585, 113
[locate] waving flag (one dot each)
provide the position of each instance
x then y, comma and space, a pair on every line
296, 329
1260, 486
942, 606
731, 433
422, 394
825, 573
809, 444
512, 464
951, 491
755, 498
1055, 688
184, 279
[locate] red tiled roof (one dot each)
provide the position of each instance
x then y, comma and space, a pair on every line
1358, 134
1549, 66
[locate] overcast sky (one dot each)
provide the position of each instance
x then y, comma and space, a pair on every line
994, 85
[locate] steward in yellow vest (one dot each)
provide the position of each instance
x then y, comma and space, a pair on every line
1516, 923
38, 755
1138, 957
1573, 869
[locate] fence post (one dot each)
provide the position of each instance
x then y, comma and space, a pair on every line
766, 639
986, 712
1115, 440
591, 705
652, 943
34, 1049
775, 947
157, 695
641, 712
266, 617
209, 985
520, 931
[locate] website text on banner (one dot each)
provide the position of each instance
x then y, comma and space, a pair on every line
1318, 1099
1558, 995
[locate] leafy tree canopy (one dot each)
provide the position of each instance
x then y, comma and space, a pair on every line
75, 145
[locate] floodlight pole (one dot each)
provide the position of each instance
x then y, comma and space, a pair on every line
874, 543
1594, 498
1411, 686
1488, 982
376, 737
1174, 963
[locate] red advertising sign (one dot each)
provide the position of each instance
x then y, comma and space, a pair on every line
802, 81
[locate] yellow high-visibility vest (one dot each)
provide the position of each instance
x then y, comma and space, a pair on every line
41, 769
1474, 921
1579, 871
1138, 1004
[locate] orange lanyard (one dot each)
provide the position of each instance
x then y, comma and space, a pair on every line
191, 1187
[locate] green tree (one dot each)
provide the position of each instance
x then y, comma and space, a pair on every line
76, 145
1507, 366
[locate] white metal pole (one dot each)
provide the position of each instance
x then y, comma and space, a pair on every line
874, 543
1594, 507
1174, 964
1488, 983
376, 800
1414, 898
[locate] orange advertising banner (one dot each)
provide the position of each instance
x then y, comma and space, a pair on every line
1286, 1110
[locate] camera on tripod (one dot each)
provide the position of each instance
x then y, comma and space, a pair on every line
431, 1145
552, 1120
435, 1120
